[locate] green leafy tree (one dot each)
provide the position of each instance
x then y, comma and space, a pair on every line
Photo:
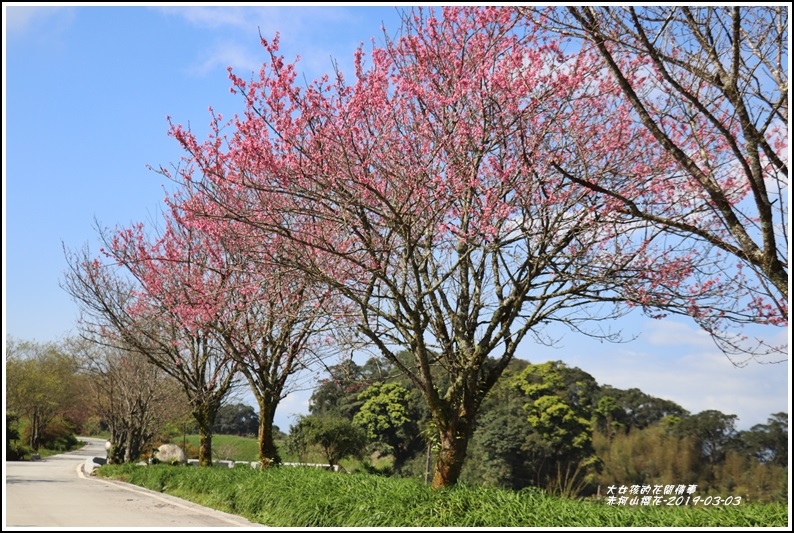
768, 443
652, 455
636, 408
535, 429
41, 385
390, 416
561, 418
714, 430
236, 419
14, 450
559, 408
606, 416
338, 394
336, 437
504, 451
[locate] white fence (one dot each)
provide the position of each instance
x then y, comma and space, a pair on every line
255, 464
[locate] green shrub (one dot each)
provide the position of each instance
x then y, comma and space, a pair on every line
17, 451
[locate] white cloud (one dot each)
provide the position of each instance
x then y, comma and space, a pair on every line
295, 404
671, 333
292, 23
226, 54
210, 16
235, 32
24, 20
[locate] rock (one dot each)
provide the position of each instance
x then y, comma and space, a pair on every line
170, 453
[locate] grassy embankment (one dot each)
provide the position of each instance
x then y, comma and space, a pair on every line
308, 497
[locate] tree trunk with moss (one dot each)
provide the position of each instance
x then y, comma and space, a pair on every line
454, 435
268, 453
205, 418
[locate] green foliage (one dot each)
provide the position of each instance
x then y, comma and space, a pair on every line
646, 456
393, 419
768, 443
389, 416
607, 415
303, 497
93, 427
18, 451
659, 455
503, 450
336, 437
41, 385
12, 427
759, 481
714, 432
337, 395
236, 419
384, 411
636, 408
15, 450
558, 405
553, 427
557, 422
59, 436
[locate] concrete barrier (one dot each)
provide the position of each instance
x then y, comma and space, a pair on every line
314, 465
255, 464
92, 463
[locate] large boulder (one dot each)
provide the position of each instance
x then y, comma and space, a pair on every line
170, 453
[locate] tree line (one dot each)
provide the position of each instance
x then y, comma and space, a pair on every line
481, 175
550, 426
543, 425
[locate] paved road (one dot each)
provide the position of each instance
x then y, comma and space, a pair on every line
55, 492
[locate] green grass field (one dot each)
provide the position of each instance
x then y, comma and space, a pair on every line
233, 448
307, 497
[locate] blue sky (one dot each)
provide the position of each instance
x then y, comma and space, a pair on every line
86, 92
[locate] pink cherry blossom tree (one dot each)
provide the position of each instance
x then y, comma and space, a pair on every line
274, 323
431, 194
140, 296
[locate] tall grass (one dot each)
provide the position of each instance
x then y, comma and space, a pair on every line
304, 497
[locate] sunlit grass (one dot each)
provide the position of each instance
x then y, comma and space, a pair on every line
305, 497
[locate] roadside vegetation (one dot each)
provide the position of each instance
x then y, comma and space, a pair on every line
544, 426
306, 497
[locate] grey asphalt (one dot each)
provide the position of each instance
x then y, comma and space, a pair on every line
58, 492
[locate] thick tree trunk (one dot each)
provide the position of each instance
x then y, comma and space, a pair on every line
454, 441
268, 453
135, 445
205, 446
204, 422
